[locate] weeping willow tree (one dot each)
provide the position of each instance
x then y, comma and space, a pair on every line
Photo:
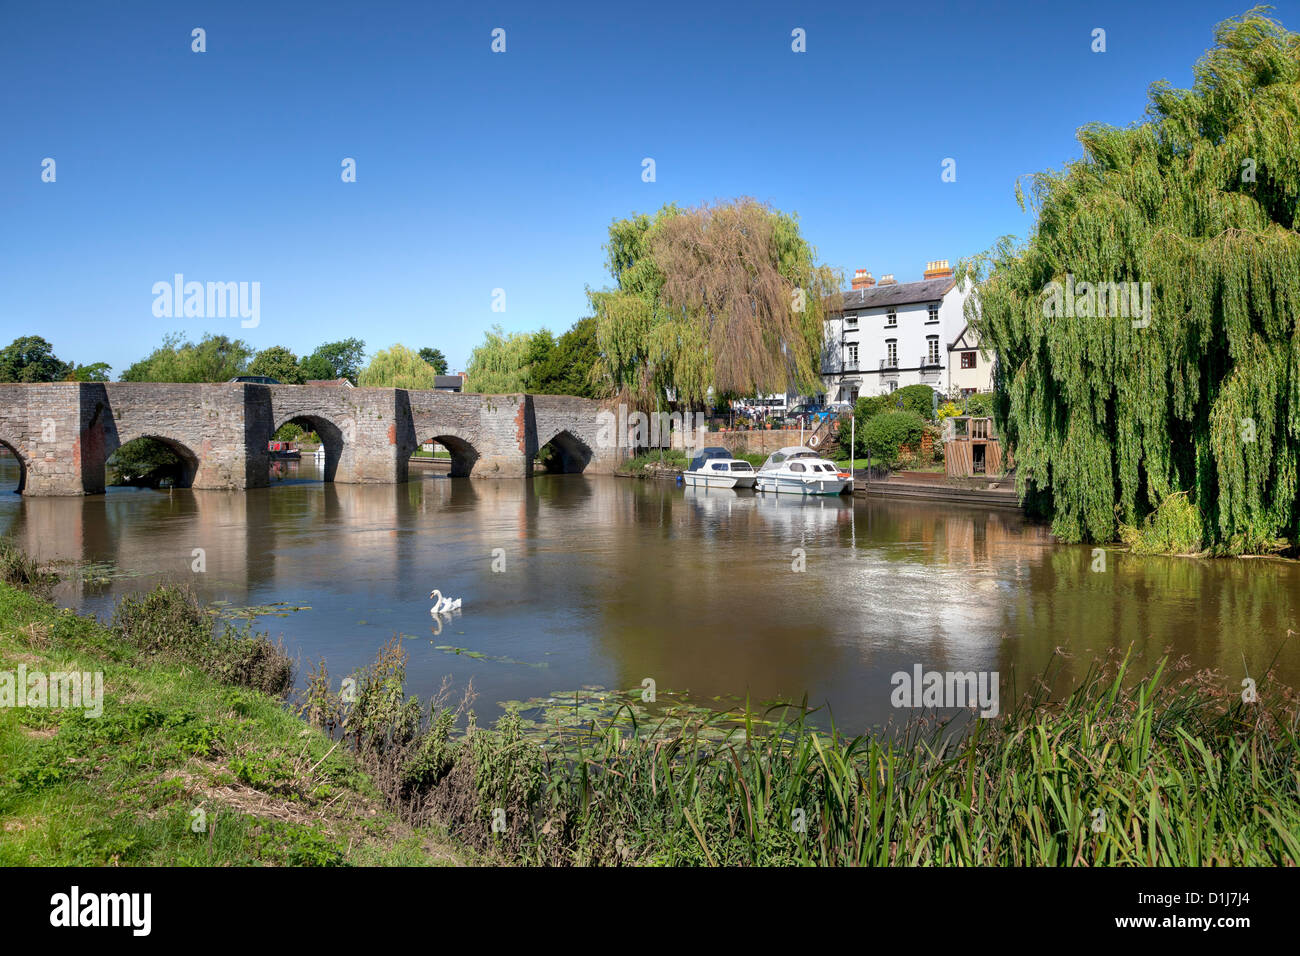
398, 367
725, 297
501, 364
1147, 332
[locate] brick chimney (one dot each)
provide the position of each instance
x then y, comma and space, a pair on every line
888, 280
938, 269
862, 279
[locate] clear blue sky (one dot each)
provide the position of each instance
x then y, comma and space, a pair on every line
479, 170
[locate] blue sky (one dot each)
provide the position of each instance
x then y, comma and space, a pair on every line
478, 171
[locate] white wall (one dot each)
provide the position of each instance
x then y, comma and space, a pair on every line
911, 333
979, 378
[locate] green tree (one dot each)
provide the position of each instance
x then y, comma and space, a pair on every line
567, 369
216, 358
1189, 380
335, 360
882, 435
541, 350
279, 363
915, 398
726, 297
980, 404
31, 359
95, 372
500, 365
435, 358
398, 367
316, 368
144, 462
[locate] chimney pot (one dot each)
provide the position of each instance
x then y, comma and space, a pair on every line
862, 279
938, 269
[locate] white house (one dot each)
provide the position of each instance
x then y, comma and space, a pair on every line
892, 334
970, 369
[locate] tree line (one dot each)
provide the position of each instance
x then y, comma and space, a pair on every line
219, 358
709, 303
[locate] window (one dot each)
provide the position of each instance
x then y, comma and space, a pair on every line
932, 314
932, 350
891, 317
850, 321
797, 467
853, 394
853, 353
891, 353
967, 359
892, 385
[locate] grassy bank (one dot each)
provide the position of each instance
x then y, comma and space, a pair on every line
652, 463
673, 460
183, 767
1170, 769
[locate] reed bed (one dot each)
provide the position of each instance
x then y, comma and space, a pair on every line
1127, 770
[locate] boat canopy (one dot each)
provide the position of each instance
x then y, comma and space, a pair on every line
775, 459
705, 454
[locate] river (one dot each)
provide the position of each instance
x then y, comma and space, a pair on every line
604, 582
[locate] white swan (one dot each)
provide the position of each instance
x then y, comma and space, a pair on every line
442, 605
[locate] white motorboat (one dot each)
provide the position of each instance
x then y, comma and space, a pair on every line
798, 470
715, 468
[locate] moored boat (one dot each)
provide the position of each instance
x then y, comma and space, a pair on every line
715, 468
798, 470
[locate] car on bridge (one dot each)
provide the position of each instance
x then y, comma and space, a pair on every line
254, 380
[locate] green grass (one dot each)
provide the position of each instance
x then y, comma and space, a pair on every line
670, 458
123, 788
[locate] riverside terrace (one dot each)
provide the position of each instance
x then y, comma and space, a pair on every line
63, 433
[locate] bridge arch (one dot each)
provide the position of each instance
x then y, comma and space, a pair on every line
332, 438
463, 453
12, 446
569, 455
187, 459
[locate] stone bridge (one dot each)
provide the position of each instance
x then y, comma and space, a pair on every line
63, 433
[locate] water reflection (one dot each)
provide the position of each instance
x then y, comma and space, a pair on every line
608, 581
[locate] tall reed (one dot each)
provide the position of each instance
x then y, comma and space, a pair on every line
1124, 771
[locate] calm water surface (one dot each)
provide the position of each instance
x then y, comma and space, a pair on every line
608, 581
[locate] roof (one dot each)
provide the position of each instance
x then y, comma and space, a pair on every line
448, 381
706, 454
789, 451
328, 381
902, 293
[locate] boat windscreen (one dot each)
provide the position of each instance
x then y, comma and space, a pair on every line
792, 451
705, 454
